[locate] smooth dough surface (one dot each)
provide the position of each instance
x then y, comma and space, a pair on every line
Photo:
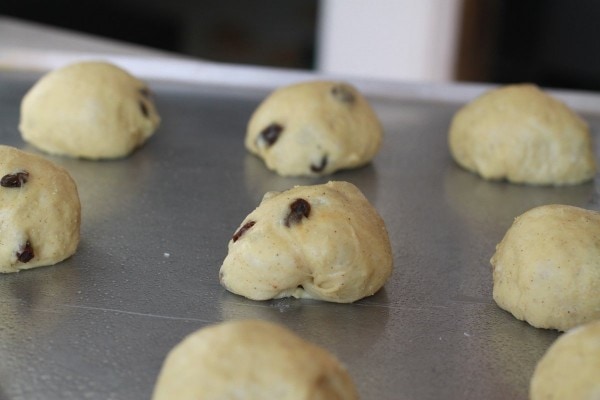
314, 128
570, 369
40, 213
92, 110
337, 251
251, 360
522, 134
546, 269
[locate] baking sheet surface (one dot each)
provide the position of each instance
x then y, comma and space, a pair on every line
155, 230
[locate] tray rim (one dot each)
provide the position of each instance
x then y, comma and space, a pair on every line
180, 70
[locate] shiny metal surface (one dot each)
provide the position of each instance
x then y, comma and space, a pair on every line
155, 231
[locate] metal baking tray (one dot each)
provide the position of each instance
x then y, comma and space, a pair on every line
155, 230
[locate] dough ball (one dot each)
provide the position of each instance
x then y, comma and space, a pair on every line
570, 369
546, 269
323, 242
524, 135
91, 110
314, 128
40, 212
251, 360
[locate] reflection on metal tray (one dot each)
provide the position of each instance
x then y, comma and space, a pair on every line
155, 231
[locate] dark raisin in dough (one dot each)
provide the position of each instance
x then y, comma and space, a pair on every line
299, 209
145, 92
144, 109
26, 253
343, 94
320, 167
14, 180
243, 230
271, 133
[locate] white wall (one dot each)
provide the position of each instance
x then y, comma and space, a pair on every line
391, 39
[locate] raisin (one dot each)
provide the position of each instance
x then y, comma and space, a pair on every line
14, 180
299, 209
271, 133
26, 253
144, 109
343, 93
320, 167
145, 92
242, 230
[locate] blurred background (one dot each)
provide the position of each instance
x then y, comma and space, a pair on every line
549, 42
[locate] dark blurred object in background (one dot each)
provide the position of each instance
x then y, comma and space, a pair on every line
120, 20
261, 32
553, 43
549, 42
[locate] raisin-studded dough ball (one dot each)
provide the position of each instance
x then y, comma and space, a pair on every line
251, 360
323, 242
570, 369
40, 212
314, 128
92, 110
546, 269
524, 135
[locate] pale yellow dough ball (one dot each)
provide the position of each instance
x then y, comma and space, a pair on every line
251, 360
324, 242
92, 110
546, 269
570, 369
522, 134
314, 128
40, 212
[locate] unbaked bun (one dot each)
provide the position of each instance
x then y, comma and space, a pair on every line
546, 269
40, 213
92, 110
522, 134
314, 128
323, 242
251, 360
570, 369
